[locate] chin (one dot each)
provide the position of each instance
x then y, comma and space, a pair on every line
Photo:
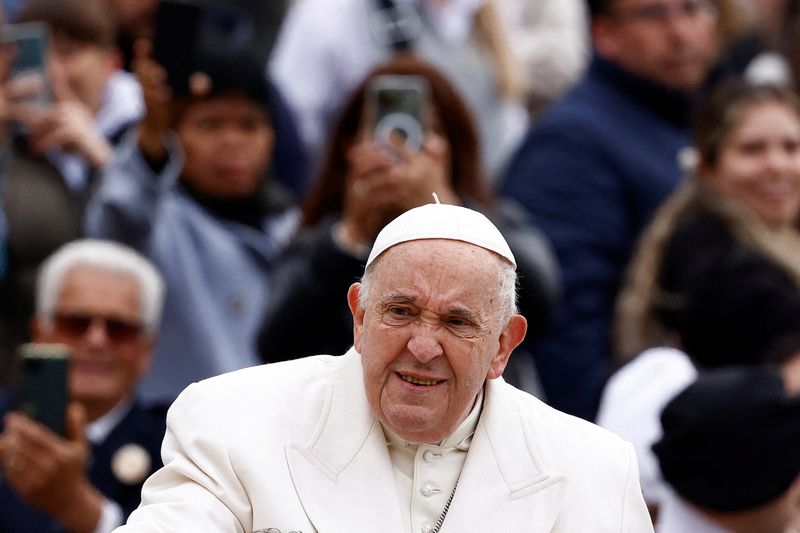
424, 430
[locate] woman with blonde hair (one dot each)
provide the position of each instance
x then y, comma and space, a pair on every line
738, 211
715, 280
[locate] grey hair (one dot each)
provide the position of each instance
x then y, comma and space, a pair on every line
104, 255
506, 288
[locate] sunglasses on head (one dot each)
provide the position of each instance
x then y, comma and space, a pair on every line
76, 325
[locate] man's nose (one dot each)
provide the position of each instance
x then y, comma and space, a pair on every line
424, 347
96, 334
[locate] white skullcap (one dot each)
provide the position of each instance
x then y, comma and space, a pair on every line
442, 221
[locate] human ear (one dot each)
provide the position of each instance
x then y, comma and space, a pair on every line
358, 314
511, 336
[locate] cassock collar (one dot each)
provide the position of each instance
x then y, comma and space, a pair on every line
461, 438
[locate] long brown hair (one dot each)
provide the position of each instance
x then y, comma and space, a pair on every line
326, 196
636, 324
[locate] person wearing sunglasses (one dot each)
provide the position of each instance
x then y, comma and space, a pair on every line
103, 301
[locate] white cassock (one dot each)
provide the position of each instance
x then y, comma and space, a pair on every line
294, 446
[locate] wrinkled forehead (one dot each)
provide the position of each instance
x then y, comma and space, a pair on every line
433, 260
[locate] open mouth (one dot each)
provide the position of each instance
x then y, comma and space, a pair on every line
418, 381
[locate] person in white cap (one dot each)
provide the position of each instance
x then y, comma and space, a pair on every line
412, 430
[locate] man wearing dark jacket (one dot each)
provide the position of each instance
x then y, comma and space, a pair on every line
103, 301
596, 166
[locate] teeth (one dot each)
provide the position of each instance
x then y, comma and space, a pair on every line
416, 381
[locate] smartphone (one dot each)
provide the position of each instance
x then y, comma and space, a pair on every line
398, 105
29, 44
189, 35
40, 386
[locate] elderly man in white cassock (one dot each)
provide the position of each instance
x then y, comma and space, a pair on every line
412, 430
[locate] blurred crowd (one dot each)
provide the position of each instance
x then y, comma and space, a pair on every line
641, 157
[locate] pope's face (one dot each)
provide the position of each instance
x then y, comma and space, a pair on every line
430, 335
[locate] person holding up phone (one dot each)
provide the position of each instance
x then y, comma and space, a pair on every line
101, 301
371, 174
60, 143
192, 189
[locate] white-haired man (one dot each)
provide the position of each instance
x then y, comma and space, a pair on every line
411, 430
103, 300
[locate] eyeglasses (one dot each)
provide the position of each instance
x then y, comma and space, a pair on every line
659, 13
76, 325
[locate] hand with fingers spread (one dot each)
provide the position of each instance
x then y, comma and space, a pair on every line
49, 472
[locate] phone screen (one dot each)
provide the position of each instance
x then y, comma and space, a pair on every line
28, 43
398, 106
41, 391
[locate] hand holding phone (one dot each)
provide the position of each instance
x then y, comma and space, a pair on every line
25, 46
43, 448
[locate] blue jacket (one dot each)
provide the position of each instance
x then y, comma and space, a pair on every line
591, 172
141, 427
217, 270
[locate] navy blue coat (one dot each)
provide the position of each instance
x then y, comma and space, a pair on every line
591, 172
143, 427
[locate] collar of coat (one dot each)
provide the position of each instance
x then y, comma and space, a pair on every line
346, 482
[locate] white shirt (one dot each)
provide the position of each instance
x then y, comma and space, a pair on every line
632, 403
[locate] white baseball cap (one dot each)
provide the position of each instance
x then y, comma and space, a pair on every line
442, 221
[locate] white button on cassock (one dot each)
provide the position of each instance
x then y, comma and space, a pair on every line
427, 528
428, 456
428, 490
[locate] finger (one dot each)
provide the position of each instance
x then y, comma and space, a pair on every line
435, 146
48, 141
62, 92
399, 146
31, 436
142, 48
8, 51
76, 422
26, 86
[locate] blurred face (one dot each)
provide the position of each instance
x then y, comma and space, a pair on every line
228, 143
672, 42
97, 315
84, 68
759, 163
430, 335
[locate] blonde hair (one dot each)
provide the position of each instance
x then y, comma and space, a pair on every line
636, 324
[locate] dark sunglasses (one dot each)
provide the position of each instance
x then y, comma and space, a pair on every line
76, 325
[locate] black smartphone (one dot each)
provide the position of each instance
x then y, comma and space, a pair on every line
29, 42
190, 35
41, 388
397, 105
